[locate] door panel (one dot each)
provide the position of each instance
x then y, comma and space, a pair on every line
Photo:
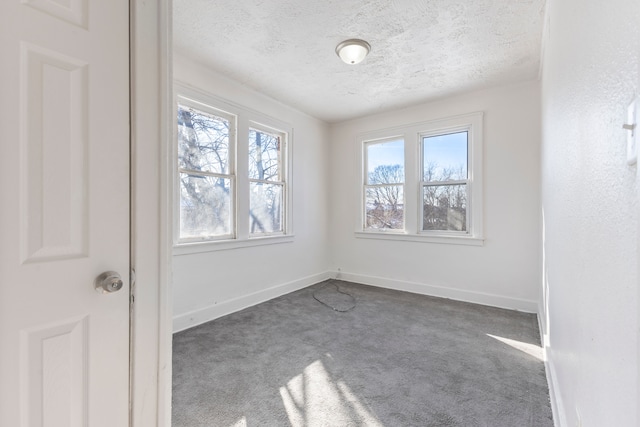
64, 212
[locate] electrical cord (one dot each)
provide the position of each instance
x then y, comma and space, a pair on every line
332, 282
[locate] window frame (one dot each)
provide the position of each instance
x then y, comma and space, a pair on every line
245, 119
414, 179
422, 184
282, 175
365, 185
231, 175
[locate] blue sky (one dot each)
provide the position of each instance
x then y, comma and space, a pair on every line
447, 151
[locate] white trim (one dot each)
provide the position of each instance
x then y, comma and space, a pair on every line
245, 119
443, 292
221, 245
559, 419
471, 123
206, 314
200, 105
450, 240
151, 215
412, 135
557, 409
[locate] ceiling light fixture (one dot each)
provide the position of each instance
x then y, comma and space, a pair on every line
353, 51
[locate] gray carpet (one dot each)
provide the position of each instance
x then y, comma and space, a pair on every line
395, 359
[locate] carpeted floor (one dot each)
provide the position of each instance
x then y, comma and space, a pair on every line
395, 359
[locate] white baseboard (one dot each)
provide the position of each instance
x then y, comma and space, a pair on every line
206, 314
559, 418
443, 292
557, 410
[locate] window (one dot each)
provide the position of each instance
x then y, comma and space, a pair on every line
384, 185
267, 187
437, 197
205, 172
232, 175
444, 182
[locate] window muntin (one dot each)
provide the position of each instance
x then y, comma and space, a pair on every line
384, 185
206, 139
445, 182
266, 182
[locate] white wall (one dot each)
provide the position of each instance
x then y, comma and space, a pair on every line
505, 271
208, 285
590, 204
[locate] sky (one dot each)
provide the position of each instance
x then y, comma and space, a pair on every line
448, 150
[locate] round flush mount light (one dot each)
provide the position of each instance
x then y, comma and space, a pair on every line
353, 51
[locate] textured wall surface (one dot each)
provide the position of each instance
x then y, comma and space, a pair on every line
420, 49
503, 272
590, 208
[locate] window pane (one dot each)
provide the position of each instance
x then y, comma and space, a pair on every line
445, 157
384, 207
203, 141
385, 162
205, 206
264, 156
265, 206
445, 207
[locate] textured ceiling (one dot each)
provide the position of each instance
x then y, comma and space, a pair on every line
420, 50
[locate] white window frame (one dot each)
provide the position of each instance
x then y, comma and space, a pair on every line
365, 185
231, 176
282, 164
413, 196
245, 119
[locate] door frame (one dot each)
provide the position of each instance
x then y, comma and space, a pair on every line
151, 94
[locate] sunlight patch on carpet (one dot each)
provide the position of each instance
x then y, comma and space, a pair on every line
242, 422
530, 349
315, 398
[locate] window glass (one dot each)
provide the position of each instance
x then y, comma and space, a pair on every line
384, 207
384, 187
205, 174
385, 162
445, 157
266, 182
266, 208
445, 207
203, 141
205, 206
264, 156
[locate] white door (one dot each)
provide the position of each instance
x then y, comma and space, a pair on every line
64, 212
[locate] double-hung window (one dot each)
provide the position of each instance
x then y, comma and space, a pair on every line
384, 185
445, 182
423, 182
266, 181
206, 138
233, 167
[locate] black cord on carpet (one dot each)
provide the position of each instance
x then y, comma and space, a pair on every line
332, 282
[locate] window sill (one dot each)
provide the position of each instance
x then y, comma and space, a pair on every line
441, 239
222, 245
